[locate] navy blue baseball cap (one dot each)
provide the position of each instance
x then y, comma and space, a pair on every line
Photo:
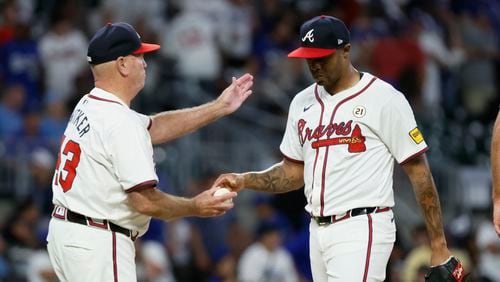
115, 40
320, 37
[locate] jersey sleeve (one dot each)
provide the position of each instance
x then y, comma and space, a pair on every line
131, 153
399, 130
290, 145
146, 121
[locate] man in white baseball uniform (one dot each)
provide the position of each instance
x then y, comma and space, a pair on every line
104, 182
342, 136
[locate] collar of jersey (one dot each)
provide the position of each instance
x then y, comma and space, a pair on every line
105, 95
365, 79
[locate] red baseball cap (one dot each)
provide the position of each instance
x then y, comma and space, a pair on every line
320, 37
115, 40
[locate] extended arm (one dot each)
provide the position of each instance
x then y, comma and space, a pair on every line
495, 172
280, 178
425, 191
153, 202
169, 125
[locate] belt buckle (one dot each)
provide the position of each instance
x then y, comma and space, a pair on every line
363, 211
371, 210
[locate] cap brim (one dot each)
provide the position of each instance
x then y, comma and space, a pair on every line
310, 53
146, 48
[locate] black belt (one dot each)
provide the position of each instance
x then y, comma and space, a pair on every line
65, 214
324, 220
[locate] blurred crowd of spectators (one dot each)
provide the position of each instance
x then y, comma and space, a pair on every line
443, 55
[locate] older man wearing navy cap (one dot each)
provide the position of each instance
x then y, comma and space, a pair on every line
343, 134
104, 184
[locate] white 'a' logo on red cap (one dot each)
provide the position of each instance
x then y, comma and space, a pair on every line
309, 35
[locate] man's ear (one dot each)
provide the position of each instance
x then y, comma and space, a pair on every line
346, 49
121, 65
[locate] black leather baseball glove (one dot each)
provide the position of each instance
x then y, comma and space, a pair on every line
449, 271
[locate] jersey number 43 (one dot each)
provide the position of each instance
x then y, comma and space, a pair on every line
71, 152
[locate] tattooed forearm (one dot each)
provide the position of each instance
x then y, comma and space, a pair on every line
277, 179
427, 197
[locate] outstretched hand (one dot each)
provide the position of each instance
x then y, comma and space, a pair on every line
231, 181
235, 94
208, 205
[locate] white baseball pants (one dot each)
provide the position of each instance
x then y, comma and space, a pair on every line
81, 253
355, 249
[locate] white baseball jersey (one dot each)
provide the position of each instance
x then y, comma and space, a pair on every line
348, 143
106, 151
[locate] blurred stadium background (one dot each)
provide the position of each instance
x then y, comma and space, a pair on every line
442, 54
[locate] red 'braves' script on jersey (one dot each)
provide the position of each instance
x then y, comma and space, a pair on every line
355, 141
305, 132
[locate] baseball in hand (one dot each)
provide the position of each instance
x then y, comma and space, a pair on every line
221, 191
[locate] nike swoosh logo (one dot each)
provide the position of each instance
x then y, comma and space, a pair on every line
308, 107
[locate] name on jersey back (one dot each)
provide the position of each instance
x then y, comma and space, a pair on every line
80, 121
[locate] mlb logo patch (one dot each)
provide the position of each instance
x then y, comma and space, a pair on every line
416, 135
